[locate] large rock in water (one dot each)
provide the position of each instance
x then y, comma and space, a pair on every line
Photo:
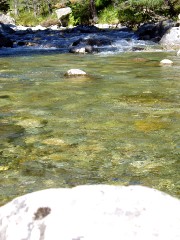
171, 39
94, 212
89, 45
154, 31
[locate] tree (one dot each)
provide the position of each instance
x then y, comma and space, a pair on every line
4, 5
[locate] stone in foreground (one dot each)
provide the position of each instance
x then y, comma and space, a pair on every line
75, 72
94, 212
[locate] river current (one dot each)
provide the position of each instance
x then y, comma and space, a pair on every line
118, 125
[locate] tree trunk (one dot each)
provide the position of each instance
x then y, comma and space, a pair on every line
16, 7
49, 6
35, 8
93, 11
28, 6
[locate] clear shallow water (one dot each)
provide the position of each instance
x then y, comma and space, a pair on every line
119, 125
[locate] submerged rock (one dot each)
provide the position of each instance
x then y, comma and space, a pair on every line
92, 212
31, 123
10, 131
54, 141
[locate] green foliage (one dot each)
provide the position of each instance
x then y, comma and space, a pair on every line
131, 17
27, 19
134, 12
80, 12
174, 8
151, 4
72, 21
102, 4
48, 21
108, 15
129, 12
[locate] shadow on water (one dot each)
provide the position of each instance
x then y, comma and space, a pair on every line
15, 52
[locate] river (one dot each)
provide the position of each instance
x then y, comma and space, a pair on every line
118, 125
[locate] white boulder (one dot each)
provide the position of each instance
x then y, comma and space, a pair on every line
94, 212
75, 72
178, 52
166, 62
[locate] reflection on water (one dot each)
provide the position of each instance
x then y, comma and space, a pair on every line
120, 125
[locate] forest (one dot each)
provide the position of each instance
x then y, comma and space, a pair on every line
128, 12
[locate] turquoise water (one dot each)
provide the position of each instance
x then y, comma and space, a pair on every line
119, 125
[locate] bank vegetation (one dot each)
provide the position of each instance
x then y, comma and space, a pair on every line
128, 12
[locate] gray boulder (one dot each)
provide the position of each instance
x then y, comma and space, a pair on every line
171, 39
63, 15
6, 19
94, 212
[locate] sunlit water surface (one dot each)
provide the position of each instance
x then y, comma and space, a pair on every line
119, 125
